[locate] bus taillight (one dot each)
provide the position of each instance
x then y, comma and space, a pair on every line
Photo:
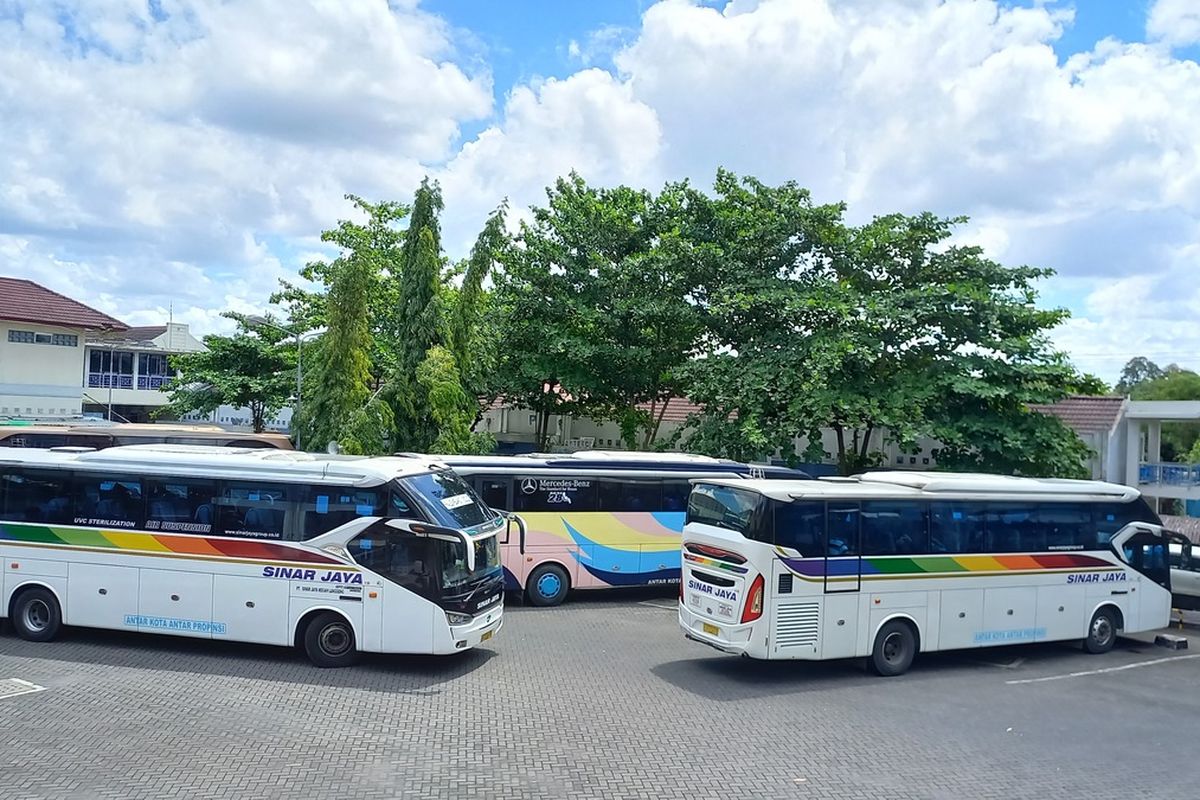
754, 603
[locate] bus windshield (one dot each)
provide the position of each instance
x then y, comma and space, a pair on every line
454, 563
448, 499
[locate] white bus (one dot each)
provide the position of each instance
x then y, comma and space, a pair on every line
335, 556
595, 519
889, 564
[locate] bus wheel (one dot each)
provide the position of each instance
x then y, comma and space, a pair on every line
329, 641
895, 648
547, 585
1102, 632
36, 616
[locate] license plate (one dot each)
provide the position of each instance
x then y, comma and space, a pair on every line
712, 630
486, 636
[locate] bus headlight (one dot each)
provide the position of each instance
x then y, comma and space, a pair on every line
454, 618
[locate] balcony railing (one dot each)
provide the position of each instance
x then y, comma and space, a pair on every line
104, 380
152, 381
1169, 474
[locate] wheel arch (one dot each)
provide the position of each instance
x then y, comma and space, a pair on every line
1111, 606
901, 616
550, 562
33, 583
312, 613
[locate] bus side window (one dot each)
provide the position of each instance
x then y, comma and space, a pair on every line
494, 492
401, 508
184, 505
801, 526
109, 500
323, 508
675, 495
253, 510
894, 527
842, 523
35, 496
613, 494
956, 527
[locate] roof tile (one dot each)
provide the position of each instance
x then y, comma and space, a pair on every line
26, 301
1085, 413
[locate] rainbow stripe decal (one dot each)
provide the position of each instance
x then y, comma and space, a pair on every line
159, 543
712, 563
903, 566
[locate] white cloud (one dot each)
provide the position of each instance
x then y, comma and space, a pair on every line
200, 149
1174, 22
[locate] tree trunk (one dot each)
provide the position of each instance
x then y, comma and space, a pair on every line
656, 422
841, 446
866, 445
256, 417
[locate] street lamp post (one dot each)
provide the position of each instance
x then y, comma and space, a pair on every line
299, 336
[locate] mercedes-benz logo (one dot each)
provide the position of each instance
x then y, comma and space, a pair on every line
528, 486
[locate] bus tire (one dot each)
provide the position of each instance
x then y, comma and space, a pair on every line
329, 641
1102, 631
547, 585
36, 615
894, 650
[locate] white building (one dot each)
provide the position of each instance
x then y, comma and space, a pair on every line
126, 371
42, 346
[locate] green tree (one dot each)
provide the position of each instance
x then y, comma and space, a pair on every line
1136, 372
1179, 439
251, 369
340, 405
453, 410
596, 313
473, 326
879, 327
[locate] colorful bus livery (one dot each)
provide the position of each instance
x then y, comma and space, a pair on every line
595, 519
336, 556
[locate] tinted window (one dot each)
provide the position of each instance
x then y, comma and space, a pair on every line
109, 501
1111, 517
494, 492
400, 507
618, 495
554, 494
675, 495
841, 529
1068, 526
35, 496
1013, 528
800, 526
400, 557
253, 510
894, 528
182, 505
726, 507
448, 499
323, 508
956, 528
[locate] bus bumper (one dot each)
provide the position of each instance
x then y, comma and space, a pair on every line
732, 639
479, 631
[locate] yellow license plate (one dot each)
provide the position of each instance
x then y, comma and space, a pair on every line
486, 636
712, 630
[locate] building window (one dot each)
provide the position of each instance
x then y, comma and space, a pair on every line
30, 337
108, 368
153, 371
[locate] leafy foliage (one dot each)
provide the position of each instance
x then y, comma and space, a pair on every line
1180, 440
252, 369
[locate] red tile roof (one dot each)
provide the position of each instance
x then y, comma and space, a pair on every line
26, 301
145, 333
1086, 414
678, 409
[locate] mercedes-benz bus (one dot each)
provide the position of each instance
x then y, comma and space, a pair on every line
890, 564
335, 556
596, 519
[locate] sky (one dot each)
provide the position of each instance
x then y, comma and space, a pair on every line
179, 157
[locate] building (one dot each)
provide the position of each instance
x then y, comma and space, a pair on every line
1100, 422
42, 349
126, 371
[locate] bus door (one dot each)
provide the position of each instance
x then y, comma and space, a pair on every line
1147, 551
843, 559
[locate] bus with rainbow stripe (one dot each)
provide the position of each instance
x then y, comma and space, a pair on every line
332, 555
887, 565
595, 519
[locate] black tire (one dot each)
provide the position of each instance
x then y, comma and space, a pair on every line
1102, 632
36, 616
895, 648
329, 641
547, 585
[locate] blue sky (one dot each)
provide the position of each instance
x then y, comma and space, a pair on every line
185, 154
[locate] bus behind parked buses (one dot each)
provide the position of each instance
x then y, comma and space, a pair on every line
98, 434
889, 564
335, 556
595, 519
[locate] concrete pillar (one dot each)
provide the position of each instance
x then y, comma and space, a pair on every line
1133, 451
1154, 441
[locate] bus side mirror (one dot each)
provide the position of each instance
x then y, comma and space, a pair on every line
515, 519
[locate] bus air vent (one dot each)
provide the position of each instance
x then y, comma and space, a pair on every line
785, 583
796, 625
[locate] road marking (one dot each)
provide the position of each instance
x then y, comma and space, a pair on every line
1150, 663
652, 604
12, 687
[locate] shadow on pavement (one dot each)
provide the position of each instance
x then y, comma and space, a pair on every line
388, 673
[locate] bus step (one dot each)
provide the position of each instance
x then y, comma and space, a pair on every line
1171, 641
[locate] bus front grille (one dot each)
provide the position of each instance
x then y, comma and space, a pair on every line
796, 624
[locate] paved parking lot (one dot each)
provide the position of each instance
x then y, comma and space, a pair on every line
600, 698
